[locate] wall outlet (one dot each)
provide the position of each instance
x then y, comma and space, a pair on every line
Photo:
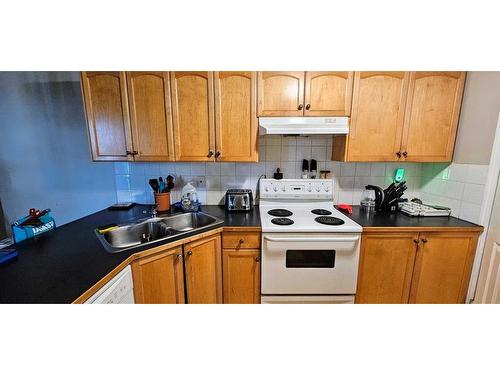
199, 182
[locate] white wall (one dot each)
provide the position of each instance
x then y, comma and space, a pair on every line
478, 118
44, 156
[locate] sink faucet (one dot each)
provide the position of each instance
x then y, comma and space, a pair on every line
153, 211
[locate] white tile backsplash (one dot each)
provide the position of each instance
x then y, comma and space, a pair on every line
458, 186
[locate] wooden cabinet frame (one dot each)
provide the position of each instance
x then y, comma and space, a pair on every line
310, 110
140, 278
90, 117
221, 130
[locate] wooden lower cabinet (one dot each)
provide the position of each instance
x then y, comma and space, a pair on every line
241, 281
386, 267
202, 260
159, 278
443, 267
415, 267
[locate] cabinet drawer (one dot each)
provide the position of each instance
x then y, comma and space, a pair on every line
241, 240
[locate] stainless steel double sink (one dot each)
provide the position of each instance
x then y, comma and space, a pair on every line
155, 229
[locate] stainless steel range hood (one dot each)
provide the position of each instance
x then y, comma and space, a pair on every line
303, 125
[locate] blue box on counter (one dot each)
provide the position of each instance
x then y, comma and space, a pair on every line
22, 232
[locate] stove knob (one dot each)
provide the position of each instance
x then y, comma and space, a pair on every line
309, 189
318, 189
266, 188
327, 189
275, 188
283, 189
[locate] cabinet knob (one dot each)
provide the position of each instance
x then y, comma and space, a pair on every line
210, 153
416, 240
424, 240
217, 154
308, 106
398, 154
257, 259
300, 106
241, 241
178, 257
405, 154
189, 253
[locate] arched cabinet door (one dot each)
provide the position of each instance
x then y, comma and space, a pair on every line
193, 110
280, 93
235, 116
106, 112
377, 116
432, 113
328, 93
150, 115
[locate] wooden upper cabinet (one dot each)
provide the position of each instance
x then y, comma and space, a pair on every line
386, 267
235, 116
150, 115
280, 93
432, 114
193, 110
106, 112
159, 278
443, 267
377, 116
241, 276
328, 93
202, 259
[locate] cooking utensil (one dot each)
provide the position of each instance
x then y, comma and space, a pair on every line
162, 185
153, 182
170, 182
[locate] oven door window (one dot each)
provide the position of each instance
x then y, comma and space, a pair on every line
310, 258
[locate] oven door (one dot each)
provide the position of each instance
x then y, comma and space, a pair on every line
315, 263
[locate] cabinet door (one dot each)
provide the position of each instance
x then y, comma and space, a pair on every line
443, 267
328, 93
377, 116
280, 93
386, 267
159, 278
235, 116
150, 115
241, 276
434, 101
203, 270
193, 108
106, 112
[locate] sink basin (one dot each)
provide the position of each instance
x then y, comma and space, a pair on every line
155, 229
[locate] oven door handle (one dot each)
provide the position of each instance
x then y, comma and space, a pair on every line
311, 239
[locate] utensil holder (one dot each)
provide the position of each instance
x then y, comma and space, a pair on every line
162, 201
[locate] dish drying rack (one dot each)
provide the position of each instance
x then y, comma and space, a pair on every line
418, 209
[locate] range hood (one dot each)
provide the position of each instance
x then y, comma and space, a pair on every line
303, 125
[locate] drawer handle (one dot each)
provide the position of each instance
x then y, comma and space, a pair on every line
241, 241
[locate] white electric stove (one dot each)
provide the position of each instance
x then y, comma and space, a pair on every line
310, 250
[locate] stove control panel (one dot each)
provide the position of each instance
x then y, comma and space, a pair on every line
296, 188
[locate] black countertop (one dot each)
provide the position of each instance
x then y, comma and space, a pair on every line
60, 265
399, 219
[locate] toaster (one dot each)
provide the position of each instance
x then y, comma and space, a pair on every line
239, 200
